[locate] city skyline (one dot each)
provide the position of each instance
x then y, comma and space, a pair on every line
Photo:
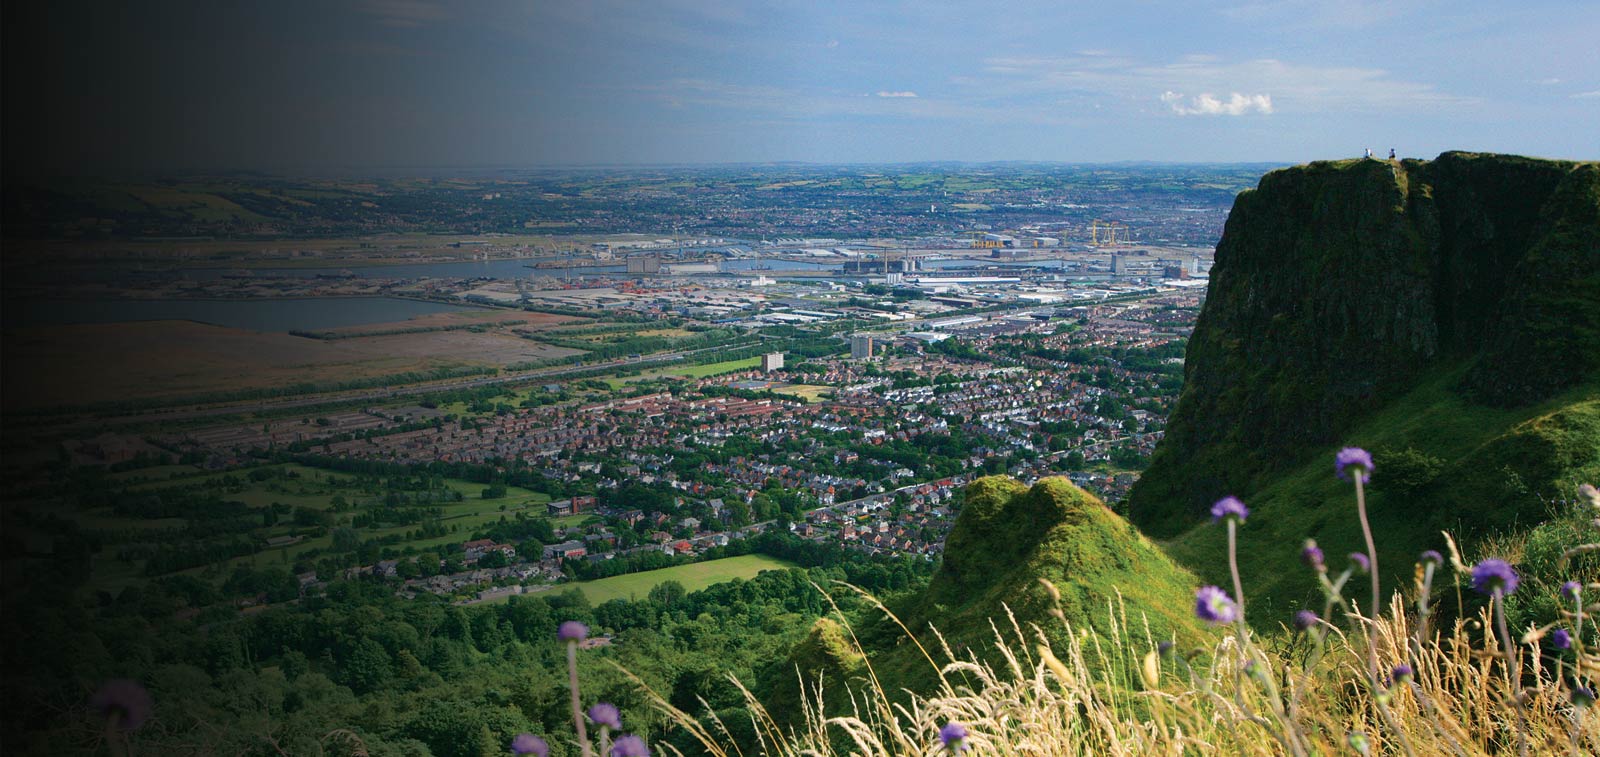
385, 84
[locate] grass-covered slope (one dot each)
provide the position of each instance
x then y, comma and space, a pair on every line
1442, 462
1008, 537
1344, 290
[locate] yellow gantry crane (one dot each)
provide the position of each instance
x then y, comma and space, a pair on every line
1115, 233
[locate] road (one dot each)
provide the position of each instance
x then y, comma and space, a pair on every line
375, 395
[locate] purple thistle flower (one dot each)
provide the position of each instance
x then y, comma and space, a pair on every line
1431, 557
126, 701
1582, 696
1361, 562
1401, 674
954, 736
1561, 639
527, 743
1305, 620
1492, 574
1165, 648
572, 630
1229, 507
1571, 590
1353, 456
629, 746
1213, 605
605, 713
1312, 556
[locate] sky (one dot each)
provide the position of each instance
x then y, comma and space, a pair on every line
99, 87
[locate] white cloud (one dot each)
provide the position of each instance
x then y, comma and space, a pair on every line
1584, 95
904, 93
1262, 86
1206, 104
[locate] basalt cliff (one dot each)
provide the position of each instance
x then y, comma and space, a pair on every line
1341, 289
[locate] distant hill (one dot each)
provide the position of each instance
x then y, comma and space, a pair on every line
1444, 314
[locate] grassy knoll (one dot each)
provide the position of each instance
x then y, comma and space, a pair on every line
694, 577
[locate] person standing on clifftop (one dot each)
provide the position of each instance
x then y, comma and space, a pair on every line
1369, 153
1391, 153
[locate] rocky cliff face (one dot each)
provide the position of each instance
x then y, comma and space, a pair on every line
1339, 286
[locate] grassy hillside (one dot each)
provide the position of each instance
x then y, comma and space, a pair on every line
1007, 538
1443, 463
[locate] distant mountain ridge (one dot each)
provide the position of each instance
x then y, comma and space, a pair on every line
1341, 287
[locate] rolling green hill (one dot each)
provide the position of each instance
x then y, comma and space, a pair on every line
1008, 537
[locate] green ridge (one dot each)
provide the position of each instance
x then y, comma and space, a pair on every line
1008, 537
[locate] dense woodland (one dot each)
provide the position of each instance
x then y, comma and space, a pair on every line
355, 668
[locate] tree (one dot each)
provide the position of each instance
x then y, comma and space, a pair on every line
494, 559
368, 667
668, 594
345, 539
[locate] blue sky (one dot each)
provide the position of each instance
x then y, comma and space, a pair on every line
414, 83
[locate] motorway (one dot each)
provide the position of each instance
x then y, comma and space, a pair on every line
374, 395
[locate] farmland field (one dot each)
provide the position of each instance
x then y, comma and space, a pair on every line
693, 577
104, 362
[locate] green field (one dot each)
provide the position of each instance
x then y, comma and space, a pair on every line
690, 371
314, 488
694, 577
808, 392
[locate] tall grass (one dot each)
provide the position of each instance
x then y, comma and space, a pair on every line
1121, 693
1079, 699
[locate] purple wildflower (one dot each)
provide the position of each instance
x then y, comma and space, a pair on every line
629, 746
1312, 556
1401, 674
1165, 648
1492, 574
1431, 557
1213, 605
123, 700
1305, 620
1571, 590
1360, 561
527, 743
1229, 507
1582, 696
1561, 639
605, 713
1353, 456
572, 630
954, 736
